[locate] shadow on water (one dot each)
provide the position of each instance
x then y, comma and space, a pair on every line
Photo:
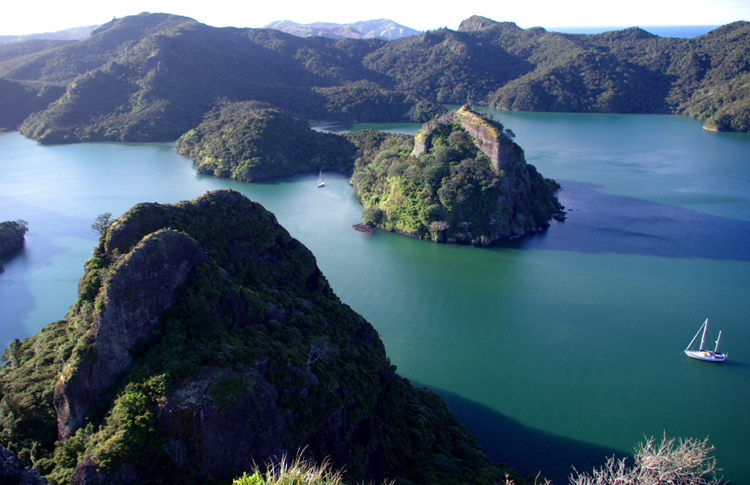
530, 451
15, 298
606, 223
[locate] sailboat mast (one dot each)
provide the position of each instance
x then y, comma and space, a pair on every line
717, 343
703, 337
696, 336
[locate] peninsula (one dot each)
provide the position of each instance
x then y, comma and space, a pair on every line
460, 179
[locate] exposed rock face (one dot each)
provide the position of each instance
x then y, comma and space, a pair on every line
491, 142
422, 137
11, 235
162, 68
142, 287
14, 472
475, 23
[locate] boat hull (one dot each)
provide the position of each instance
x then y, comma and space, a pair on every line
707, 355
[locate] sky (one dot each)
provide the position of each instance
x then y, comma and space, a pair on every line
27, 17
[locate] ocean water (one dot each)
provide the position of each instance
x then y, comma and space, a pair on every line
680, 31
556, 350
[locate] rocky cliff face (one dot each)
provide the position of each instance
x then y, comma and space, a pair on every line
488, 137
143, 284
14, 472
206, 341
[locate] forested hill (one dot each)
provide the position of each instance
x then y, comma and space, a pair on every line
155, 76
152, 77
206, 340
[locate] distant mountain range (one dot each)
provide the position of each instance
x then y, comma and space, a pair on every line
76, 33
365, 29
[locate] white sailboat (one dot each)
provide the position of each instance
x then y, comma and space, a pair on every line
702, 353
320, 180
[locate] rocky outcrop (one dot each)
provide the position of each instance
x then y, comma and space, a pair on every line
14, 472
142, 286
475, 23
208, 341
488, 138
423, 136
496, 145
12, 235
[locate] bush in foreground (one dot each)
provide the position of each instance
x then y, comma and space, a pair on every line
297, 472
678, 462
674, 462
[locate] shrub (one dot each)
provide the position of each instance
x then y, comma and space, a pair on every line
681, 462
297, 472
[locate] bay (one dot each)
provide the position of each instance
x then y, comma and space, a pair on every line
556, 350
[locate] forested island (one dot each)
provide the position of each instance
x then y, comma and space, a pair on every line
12, 235
153, 77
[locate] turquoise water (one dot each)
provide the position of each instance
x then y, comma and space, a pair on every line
555, 350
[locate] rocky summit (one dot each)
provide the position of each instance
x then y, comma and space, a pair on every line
204, 341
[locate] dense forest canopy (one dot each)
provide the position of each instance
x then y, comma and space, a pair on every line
155, 76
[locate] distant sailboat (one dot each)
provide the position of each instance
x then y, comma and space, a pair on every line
320, 180
703, 354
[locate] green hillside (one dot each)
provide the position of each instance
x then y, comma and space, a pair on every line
249, 142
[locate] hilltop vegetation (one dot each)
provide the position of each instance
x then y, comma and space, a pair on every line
205, 340
460, 179
155, 76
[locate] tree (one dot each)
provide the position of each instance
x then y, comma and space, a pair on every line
102, 222
372, 215
438, 226
676, 462
15, 353
321, 348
